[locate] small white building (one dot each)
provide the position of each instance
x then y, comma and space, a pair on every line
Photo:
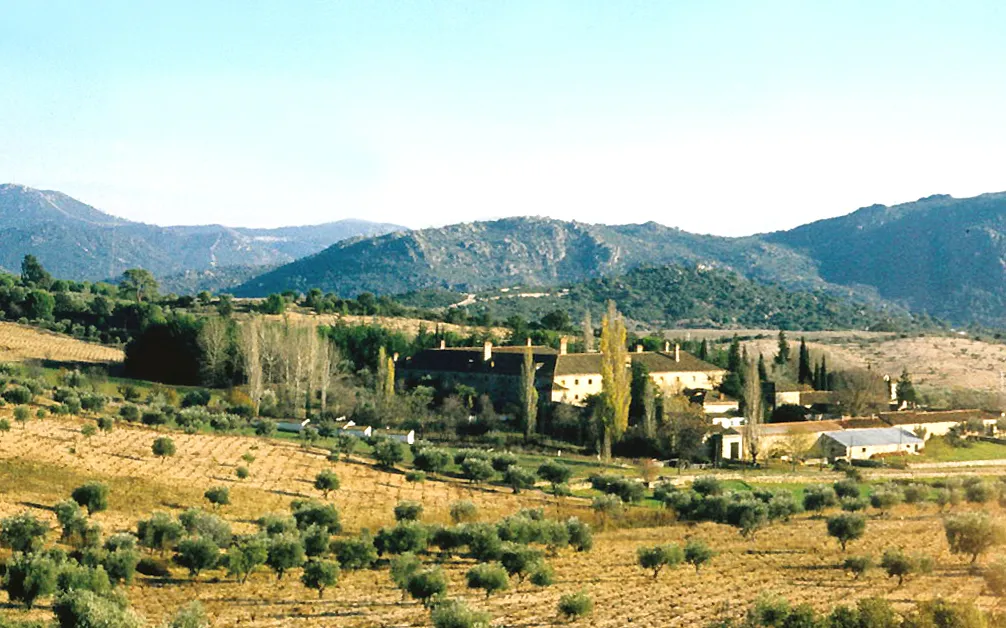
862, 444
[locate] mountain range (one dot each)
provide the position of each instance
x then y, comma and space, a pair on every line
76, 241
940, 255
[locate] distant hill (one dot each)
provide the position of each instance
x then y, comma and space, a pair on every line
76, 241
523, 251
689, 297
942, 256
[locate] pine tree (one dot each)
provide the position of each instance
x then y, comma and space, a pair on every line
615, 379
804, 375
528, 394
782, 357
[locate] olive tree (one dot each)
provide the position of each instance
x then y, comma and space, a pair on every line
846, 527
973, 533
320, 574
488, 577
93, 496
658, 557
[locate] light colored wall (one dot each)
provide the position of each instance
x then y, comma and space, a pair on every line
865, 452
579, 387
787, 397
677, 381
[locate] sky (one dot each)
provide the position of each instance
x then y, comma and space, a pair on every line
713, 116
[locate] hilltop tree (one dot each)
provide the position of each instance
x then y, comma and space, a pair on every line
528, 395
804, 374
615, 380
33, 274
138, 284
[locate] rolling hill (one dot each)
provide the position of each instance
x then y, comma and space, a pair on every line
76, 241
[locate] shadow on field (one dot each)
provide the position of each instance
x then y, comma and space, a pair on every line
279, 491
36, 505
125, 456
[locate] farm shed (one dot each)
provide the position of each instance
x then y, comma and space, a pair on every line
861, 444
291, 427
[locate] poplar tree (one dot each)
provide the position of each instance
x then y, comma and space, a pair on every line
528, 394
615, 379
588, 333
752, 411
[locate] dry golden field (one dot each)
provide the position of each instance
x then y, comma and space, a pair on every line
408, 326
19, 343
41, 463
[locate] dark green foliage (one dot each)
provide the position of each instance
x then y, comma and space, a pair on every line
627, 490
320, 574
657, 557
502, 462
476, 470
846, 488
573, 605
488, 577
197, 554
406, 537
408, 511
580, 536
858, 565
454, 614
18, 394
316, 541
846, 527
886, 497
431, 459
93, 496
198, 522
285, 552
29, 577
427, 585
518, 478
22, 532
120, 564
166, 352
355, 553
87, 609
483, 542
310, 512
246, 555
161, 532
463, 511
276, 524
897, 564
403, 567
388, 452
326, 481
130, 412
163, 447
519, 560
697, 554
554, 473
973, 533
75, 577
817, 498
153, 568
707, 485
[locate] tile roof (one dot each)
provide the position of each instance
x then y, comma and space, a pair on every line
940, 416
874, 436
655, 362
469, 360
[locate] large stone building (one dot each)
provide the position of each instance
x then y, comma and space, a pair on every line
561, 377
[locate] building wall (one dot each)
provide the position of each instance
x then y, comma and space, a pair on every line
578, 386
677, 381
837, 450
787, 397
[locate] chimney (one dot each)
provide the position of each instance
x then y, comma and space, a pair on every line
443, 344
487, 351
563, 346
667, 346
677, 352
639, 348
529, 341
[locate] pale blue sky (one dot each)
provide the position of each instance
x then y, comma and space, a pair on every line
717, 117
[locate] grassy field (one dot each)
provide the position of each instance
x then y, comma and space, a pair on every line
938, 450
41, 463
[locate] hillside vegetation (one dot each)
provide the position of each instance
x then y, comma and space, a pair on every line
939, 255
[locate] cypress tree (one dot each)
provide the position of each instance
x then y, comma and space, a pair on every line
804, 375
734, 356
762, 371
704, 350
782, 358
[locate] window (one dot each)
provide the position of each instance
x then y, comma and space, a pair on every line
576, 382
589, 382
576, 396
863, 450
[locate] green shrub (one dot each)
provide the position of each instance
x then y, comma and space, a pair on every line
408, 511
326, 481
463, 511
846, 527
659, 556
358, 553
488, 577
93, 496
426, 585
858, 565
573, 605
697, 554
197, 554
320, 574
